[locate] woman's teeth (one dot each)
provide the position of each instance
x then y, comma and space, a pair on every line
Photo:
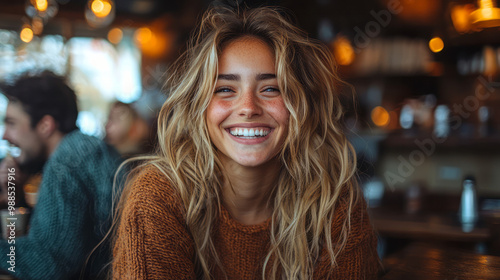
245, 132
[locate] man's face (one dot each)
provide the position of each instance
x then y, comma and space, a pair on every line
20, 133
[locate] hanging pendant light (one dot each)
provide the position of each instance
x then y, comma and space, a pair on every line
488, 15
44, 9
100, 13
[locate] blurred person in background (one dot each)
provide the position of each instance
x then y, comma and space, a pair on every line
73, 210
127, 131
254, 177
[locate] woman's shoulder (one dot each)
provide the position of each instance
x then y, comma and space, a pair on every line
150, 185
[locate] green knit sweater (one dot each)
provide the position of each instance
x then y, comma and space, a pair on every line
72, 214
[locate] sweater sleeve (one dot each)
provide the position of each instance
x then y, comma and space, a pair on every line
359, 258
57, 244
152, 240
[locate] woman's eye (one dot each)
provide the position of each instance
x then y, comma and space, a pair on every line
271, 91
223, 90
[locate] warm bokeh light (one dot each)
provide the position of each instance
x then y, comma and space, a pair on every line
37, 25
380, 116
436, 44
97, 6
486, 4
101, 8
487, 12
155, 40
488, 15
460, 16
343, 51
100, 13
26, 34
159, 45
416, 11
143, 35
41, 5
490, 61
115, 35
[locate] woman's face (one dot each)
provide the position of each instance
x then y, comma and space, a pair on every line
247, 119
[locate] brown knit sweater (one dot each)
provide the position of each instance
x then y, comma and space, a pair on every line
154, 243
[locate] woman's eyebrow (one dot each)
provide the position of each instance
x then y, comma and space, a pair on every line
235, 77
266, 76
230, 77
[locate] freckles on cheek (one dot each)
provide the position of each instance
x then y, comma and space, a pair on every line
217, 112
219, 109
279, 109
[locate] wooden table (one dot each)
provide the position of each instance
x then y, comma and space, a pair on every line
434, 262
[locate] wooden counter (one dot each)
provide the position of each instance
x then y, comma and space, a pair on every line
435, 262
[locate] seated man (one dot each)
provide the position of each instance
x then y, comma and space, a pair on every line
73, 212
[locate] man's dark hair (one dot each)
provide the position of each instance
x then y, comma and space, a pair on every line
45, 94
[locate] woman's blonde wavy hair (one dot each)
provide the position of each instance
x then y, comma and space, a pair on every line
317, 159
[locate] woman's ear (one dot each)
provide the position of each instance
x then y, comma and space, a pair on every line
46, 126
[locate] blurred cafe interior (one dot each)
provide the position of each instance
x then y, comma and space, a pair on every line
425, 123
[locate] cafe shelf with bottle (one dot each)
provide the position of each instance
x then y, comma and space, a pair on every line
427, 104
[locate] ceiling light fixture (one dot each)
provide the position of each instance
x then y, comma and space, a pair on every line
100, 13
488, 15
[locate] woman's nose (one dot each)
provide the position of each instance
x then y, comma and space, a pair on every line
249, 105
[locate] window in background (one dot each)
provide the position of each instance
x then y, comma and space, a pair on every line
47, 52
102, 73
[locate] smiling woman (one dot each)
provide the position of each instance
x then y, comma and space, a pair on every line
254, 178
247, 100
